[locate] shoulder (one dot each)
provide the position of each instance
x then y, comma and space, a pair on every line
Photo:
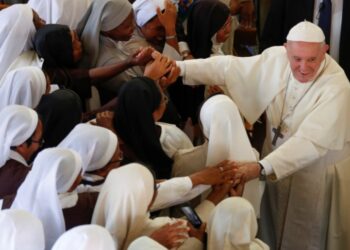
14, 168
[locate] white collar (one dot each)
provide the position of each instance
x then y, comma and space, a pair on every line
17, 157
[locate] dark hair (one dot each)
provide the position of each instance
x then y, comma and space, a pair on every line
53, 43
134, 123
205, 18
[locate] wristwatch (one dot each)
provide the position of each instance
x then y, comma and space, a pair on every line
262, 175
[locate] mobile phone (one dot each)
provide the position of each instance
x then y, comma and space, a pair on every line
191, 216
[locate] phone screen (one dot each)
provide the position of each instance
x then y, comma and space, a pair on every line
192, 216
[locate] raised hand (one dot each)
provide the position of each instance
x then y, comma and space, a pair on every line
159, 67
105, 119
168, 17
218, 174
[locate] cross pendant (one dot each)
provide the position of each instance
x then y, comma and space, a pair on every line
277, 134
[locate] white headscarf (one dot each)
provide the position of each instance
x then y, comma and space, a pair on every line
145, 10
103, 15
145, 243
54, 171
17, 124
223, 126
96, 145
23, 86
86, 237
16, 33
123, 201
61, 11
228, 140
233, 225
20, 230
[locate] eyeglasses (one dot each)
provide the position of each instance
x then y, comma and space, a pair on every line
40, 142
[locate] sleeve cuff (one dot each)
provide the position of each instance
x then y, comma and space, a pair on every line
267, 166
181, 65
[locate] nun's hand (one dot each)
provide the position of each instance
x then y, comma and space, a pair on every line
214, 89
219, 192
159, 67
105, 119
142, 56
168, 17
237, 188
217, 174
170, 78
171, 235
198, 233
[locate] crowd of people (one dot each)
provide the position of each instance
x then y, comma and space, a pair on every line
105, 134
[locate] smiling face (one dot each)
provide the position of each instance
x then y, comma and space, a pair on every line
305, 59
154, 32
124, 31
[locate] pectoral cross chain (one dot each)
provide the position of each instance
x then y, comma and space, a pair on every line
277, 134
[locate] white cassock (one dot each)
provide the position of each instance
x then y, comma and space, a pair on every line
316, 135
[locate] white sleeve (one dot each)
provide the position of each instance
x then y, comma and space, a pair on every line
203, 71
295, 154
172, 192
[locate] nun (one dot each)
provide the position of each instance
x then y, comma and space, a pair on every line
49, 188
100, 153
123, 205
233, 226
18, 26
61, 49
21, 132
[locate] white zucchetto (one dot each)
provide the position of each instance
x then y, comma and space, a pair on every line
306, 32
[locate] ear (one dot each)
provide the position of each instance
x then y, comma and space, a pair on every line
325, 48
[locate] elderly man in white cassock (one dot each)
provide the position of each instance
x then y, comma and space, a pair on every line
306, 97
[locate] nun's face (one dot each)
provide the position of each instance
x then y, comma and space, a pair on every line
77, 48
28, 149
112, 164
154, 32
38, 22
124, 31
159, 112
224, 32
